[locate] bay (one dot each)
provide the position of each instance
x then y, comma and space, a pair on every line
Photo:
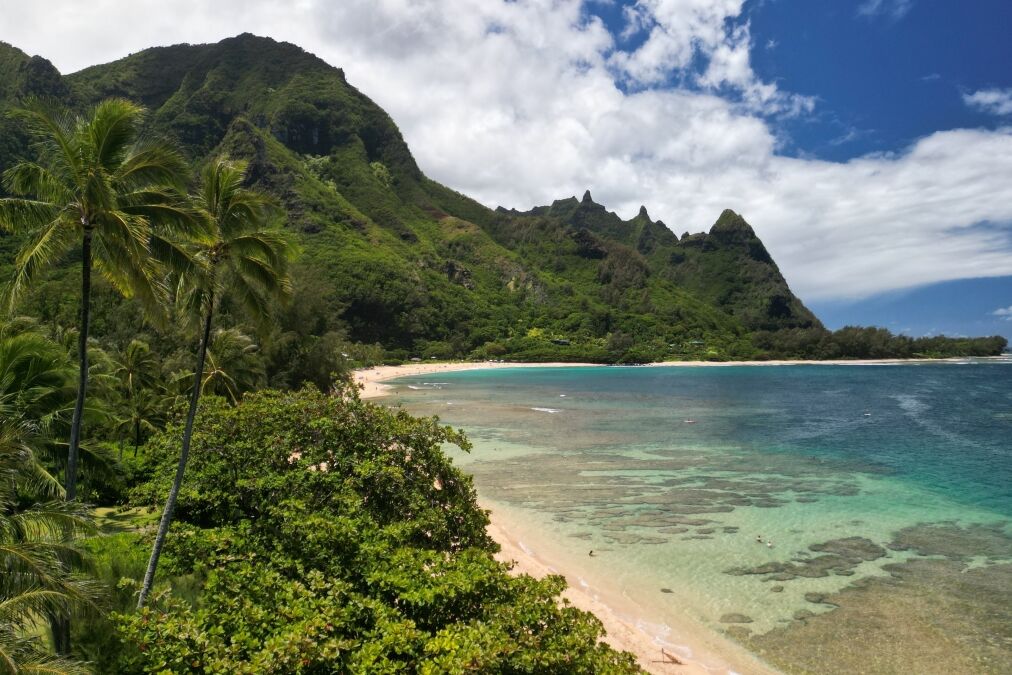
826, 518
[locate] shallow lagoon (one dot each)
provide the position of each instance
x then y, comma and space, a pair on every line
885, 491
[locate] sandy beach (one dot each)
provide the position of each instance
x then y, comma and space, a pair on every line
658, 648
698, 650
372, 380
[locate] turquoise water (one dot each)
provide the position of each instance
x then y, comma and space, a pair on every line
882, 496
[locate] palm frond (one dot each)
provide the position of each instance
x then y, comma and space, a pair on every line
30, 178
26, 215
112, 129
151, 162
43, 248
53, 128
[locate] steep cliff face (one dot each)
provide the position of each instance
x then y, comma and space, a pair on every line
410, 263
729, 267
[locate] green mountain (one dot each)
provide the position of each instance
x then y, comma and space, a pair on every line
394, 258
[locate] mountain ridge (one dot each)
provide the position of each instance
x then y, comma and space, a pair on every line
394, 258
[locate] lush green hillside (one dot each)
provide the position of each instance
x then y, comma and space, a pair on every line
394, 259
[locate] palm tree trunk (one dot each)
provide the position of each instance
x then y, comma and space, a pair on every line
61, 625
170, 503
82, 356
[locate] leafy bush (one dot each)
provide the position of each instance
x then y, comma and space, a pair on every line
335, 535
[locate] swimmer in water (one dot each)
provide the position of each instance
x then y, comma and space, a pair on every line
759, 538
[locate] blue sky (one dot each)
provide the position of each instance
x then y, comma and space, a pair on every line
883, 73
868, 142
882, 80
964, 307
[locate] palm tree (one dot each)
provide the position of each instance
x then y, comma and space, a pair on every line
136, 372
99, 185
35, 387
239, 253
231, 366
38, 551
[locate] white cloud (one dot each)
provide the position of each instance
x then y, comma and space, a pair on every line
1005, 313
994, 101
519, 103
679, 31
891, 9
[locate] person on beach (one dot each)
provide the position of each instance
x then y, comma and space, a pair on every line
591, 554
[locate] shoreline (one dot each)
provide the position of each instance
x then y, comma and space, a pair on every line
698, 650
624, 623
372, 380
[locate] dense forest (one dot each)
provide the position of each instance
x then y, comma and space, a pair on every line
197, 244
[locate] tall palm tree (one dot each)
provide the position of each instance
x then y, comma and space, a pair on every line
241, 253
99, 184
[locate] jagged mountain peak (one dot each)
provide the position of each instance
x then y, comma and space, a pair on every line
405, 261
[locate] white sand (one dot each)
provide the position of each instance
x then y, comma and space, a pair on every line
698, 651
372, 379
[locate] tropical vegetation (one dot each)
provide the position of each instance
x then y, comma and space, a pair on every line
234, 252
200, 243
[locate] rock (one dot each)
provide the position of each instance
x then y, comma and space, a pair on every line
776, 589
803, 614
666, 590
851, 548
738, 632
815, 597
735, 618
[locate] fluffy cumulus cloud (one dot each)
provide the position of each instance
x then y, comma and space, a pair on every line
1004, 313
521, 102
993, 101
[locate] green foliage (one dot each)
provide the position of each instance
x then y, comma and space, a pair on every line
347, 520
39, 533
853, 342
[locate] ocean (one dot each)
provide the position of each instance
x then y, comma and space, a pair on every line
828, 519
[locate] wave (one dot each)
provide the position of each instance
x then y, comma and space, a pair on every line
547, 410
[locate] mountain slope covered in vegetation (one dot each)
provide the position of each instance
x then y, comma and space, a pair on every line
393, 259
